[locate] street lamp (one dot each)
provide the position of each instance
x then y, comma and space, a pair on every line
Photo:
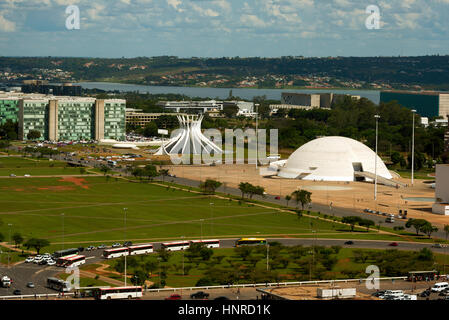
268, 254
257, 140
63, 231
413, 143
375, 160
124, 237
182, 237
9, 225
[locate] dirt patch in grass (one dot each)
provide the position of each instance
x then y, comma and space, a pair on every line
80, 182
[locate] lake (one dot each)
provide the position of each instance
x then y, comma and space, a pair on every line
221, 93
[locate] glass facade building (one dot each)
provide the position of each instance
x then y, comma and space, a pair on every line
65, 118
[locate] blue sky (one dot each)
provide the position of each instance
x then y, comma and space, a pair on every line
216, 28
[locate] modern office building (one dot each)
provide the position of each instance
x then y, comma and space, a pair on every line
141, 119
426, 103
66, 89
441, 205
307, 101
64, 118
192, 106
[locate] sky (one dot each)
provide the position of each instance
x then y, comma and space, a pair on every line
218, 28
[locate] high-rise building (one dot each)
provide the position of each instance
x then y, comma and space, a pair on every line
426, 103
65, 118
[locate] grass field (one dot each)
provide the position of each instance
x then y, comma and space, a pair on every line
21, 166
93, 209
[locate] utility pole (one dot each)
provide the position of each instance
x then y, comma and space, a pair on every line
124, 238
413, 144
9, 225
375, 160
182, 237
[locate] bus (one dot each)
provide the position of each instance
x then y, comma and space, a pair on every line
251, 242
209, 243
118, 293
64, 253
175, 246
58, 284
74, 261
116, 252
62, 261
140, 249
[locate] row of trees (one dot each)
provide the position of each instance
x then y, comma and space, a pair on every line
353, 220
250, 190
422, 225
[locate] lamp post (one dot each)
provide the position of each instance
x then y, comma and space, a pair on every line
182, 237
413, 144
9, 225
268, 255
375, 159
124, 237
257, 140
63, 231
202, 220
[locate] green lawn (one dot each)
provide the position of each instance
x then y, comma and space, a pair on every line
94, 213
21, 166
14, 256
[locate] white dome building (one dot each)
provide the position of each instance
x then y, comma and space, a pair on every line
333, 159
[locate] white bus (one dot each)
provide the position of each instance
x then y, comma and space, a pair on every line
116, 252
175, 246
209, 243
58, 284
63, 260
74, 261
118, 293
140, 249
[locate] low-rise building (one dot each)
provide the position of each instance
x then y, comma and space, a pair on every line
441, 205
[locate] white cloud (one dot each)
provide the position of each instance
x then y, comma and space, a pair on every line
6, 25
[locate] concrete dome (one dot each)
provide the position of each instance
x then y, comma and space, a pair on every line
333, 159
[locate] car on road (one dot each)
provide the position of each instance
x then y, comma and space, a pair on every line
30, 285
101, 246
26, 175
440, 286
89, 248
222, 298
425, 293
366, 210
115, 245
17, 292
378, 293
437, 245
29, 259
127, 243
174, 297
38, 259
51, 262
277, 198
12, 175
199, 295
393, 244
349, 242
42, 262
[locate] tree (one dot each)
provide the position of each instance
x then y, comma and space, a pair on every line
244, 188
351, 220
2, 237
366, 223
163, 173
37, 244
139, 277
137, 173
209, 186
396, 158
429, 229
150, 171
303, 197
105, 169
34, 134
446, 230
164, 254
288, 198
17, 238
418, 224
150, 130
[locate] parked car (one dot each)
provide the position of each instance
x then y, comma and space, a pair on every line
349, 242
81, 249
378, 293
43, 262
89, 248
29, 259
437, 245
115, 245
425, 293
101, 246
393, 244
222, 298
51, 262
30, 285
199, 295
127, 243
174, 297
440, 286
